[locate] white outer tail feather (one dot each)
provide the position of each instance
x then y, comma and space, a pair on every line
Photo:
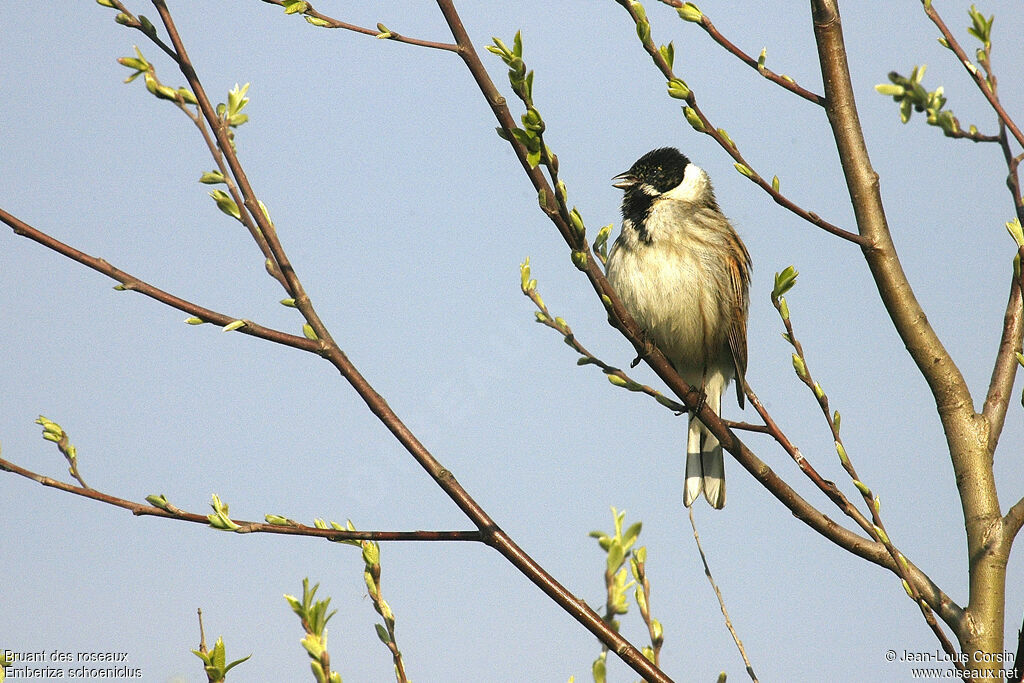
705, 461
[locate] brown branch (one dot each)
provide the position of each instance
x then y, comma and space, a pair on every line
979, 80
801, 509
965, 432
731, 149
130, 282
877, 529
492, 534
291, 529
778, 79
1004, 370
1014, 519
376, 33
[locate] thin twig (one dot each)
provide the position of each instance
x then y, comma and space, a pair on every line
721, 600
732, 150
979, 80
130, 282
292, 528
330, 22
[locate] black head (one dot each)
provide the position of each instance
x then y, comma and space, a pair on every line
659, 170
652, 175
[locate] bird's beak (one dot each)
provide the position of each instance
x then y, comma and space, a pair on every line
624, 180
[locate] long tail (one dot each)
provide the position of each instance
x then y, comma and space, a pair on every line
705, 461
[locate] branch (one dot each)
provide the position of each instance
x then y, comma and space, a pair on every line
721, 600
702, 124
979, 80
290, 529
130, 282
756, 64
381, 31
1004, 370
962, 427
619, 318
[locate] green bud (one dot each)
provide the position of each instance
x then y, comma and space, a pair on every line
226, 204
693, 119
157, 501
906, 587
819, 393
617, 381
891, 89
232, 326
105, 3
1016, 231
668, 53
194, 321
542, 199
725, 136
862, 487
295, 6
775, 183
147, 26
690, 12
562, 190
290, 303
843, 457
309, 332
678, 89
784, 281
212, 178
579, 259
799, 366
533, 121
783, 308
382, 633
371, 553
577, 222
884, 537
317, 21
761, 59
744, 170
643, 31
277, 520
836, 419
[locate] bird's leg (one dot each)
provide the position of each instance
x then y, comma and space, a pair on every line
703, 398
648, 348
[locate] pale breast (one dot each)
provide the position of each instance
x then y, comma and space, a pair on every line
664, 285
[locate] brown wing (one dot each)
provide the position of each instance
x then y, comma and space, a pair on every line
739, 277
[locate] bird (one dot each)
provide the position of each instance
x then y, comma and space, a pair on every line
683, 273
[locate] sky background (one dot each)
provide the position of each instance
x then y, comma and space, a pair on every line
406, 217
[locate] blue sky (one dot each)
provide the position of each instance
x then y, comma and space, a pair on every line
406, 218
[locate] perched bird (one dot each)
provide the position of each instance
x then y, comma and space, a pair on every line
684, 275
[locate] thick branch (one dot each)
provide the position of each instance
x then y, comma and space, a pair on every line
965, 432
1004, 372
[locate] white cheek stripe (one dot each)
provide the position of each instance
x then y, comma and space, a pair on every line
693, 187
